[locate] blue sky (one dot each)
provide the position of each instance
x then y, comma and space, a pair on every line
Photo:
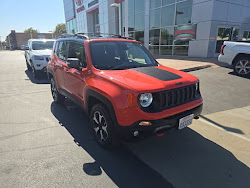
19, 15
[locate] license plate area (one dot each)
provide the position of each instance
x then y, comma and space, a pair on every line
185, 121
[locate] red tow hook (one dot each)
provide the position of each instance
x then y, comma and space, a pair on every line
159, 134
196, 117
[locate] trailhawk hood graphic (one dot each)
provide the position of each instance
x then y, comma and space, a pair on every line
151, 78
158, 73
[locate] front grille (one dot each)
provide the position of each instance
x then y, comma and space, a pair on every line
176, 97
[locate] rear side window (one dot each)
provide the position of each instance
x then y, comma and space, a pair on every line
62, 51
76, 50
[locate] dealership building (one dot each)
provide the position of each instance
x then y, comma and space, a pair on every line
195, 28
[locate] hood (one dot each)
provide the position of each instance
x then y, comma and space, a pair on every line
42, 52
151, 78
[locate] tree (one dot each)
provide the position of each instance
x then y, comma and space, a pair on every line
60, 28
31, 30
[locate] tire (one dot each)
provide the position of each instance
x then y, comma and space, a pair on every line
103, 128
242, 66
57, 97
35, 73
27, 64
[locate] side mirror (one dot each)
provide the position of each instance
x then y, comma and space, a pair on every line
26, 48
73, 63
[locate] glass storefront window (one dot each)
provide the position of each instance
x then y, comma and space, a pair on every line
155, 3
71, 26
139, 21
235, 34
246, 36
223, 34
167, 36
181, 50
139, 6
154, 18
154, 36
167, 15
226, 34
154, 50
139, 36
184, 12
131, 23
131, 7
166, 50
167, 2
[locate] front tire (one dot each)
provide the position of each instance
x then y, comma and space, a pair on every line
35, 73
103, 127
58, 98
27, 64
242, 66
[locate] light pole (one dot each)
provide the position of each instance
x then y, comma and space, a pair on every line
118, 5
51, 34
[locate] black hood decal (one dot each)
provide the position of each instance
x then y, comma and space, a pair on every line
158, 73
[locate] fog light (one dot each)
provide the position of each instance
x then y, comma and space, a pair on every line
145, 123
136, 133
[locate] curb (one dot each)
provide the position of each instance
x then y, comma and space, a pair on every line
195, 68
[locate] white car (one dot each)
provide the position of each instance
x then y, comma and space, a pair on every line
236, 54
37, 55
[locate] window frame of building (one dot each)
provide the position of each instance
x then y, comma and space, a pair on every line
229, 37
174, 44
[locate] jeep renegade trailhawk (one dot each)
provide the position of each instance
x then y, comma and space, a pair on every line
122, 87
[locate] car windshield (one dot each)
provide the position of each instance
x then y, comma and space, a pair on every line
42, 45
118, 55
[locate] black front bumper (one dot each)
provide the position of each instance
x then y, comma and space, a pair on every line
158, 126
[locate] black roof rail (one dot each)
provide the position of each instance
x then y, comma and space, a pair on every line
93, 35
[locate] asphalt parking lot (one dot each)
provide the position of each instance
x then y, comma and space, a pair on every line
43, 144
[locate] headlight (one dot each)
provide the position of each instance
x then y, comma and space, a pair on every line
146, 99
197, 86
39, 57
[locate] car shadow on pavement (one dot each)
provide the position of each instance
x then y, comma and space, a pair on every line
230, 129
122, 166
42, 80
233, 74
187, 159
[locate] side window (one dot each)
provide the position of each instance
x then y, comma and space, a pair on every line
56, 48
76, 50
62, 51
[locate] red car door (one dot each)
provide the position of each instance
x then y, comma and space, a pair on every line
75, 78
60, 63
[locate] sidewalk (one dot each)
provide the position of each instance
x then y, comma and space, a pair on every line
212, 152
188, 64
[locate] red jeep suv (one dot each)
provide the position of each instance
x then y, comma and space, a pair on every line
125, 91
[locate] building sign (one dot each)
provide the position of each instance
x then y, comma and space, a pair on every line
94, 2
185, 32
80, 6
